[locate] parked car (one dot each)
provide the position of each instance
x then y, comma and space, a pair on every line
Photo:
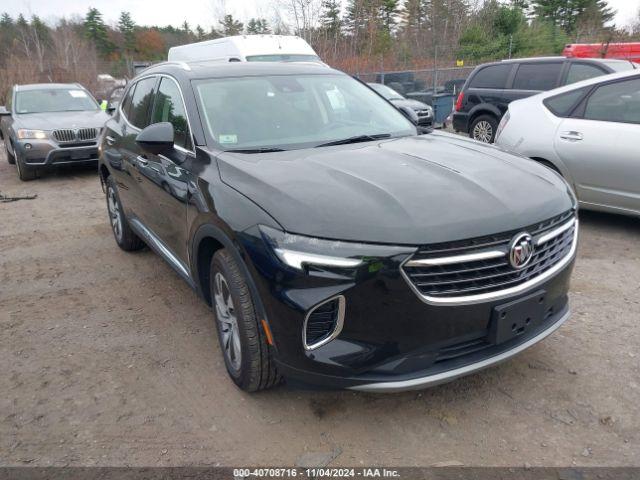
492, 86
423, 111
50, 124
334, 244
246, 48
587, 132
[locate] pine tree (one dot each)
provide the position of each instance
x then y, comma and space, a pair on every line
127, 27
96, 31
200, 34
231, 26
330, 16
566, 13
6, 21
388, 11
257, 26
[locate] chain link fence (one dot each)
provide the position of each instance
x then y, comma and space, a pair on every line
426, 81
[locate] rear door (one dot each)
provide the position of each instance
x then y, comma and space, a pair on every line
599, 145
164, 177
487, 86
533, 77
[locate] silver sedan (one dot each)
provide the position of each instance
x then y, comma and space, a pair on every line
590, 133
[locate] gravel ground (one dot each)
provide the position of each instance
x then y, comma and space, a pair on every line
110, 359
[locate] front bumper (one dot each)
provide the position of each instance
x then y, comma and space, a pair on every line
391, 340
39, 153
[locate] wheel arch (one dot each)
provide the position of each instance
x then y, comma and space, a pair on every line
483, 109
207, 240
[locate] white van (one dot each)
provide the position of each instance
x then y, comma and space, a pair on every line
246, 48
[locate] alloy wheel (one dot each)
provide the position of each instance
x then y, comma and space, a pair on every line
483, 131
227, 321
114, 214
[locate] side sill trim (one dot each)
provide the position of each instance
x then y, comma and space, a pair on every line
418, 383
161, 249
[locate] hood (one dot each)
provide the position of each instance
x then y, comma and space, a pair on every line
412, 190
407, 102
56, 120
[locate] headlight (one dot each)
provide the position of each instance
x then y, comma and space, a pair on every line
24, 134
301, 252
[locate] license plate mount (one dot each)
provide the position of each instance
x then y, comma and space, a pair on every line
80, 155
516, 318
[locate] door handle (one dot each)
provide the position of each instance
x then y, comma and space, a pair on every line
110, 140
142, 161
571, 136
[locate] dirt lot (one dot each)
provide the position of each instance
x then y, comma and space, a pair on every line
108, 358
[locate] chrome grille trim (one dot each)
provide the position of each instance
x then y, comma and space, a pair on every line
67, 135
493, 280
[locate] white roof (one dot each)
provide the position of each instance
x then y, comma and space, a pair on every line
241, 46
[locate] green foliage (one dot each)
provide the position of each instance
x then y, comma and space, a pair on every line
231, 26
96, 31
567, 14
330, 16
127, 26
257, 26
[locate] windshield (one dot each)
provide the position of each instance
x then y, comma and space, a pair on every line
287, 112
54, 100
386, 92
283, 58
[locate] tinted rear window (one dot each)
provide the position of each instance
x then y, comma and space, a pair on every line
493, 76
537, 76
582, 71
562, 105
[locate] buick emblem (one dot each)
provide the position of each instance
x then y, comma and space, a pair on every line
520, 250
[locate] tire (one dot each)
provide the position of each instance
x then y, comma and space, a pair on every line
25, 172
126, 239
10, 157
483, 128
243, 342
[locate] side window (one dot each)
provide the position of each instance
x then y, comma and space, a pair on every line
582, 71
562, 105
141, 102
170, 108
493, 76
537, 76
126, 101
615, 102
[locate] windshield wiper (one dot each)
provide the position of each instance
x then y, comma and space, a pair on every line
255, 150
356, 139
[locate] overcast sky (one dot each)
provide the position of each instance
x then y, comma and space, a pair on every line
203, 12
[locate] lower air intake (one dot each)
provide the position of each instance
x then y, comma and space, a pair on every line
323, 322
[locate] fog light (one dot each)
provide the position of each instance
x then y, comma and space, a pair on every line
27, 146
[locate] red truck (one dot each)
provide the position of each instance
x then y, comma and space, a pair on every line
624, 51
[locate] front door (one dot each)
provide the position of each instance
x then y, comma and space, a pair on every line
600, 147
164, 177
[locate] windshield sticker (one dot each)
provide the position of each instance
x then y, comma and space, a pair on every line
77, 94
227, 138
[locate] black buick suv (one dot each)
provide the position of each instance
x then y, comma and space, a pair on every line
336, 244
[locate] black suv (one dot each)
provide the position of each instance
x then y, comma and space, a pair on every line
492, 86
334, 243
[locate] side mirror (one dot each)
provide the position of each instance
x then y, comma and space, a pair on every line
111, 108
156, 138
410, 113
4, 111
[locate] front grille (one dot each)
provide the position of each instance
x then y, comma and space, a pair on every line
79, 135
481, 266
324, 322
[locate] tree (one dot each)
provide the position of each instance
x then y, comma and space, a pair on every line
231, 26
567, 13
150, 44
200, 34
330, 16
96, 31
127, 26
257, 26
387, 11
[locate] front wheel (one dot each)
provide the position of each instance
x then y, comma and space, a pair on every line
10, 157
243, 342
484, 128
25, 172
125, 237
